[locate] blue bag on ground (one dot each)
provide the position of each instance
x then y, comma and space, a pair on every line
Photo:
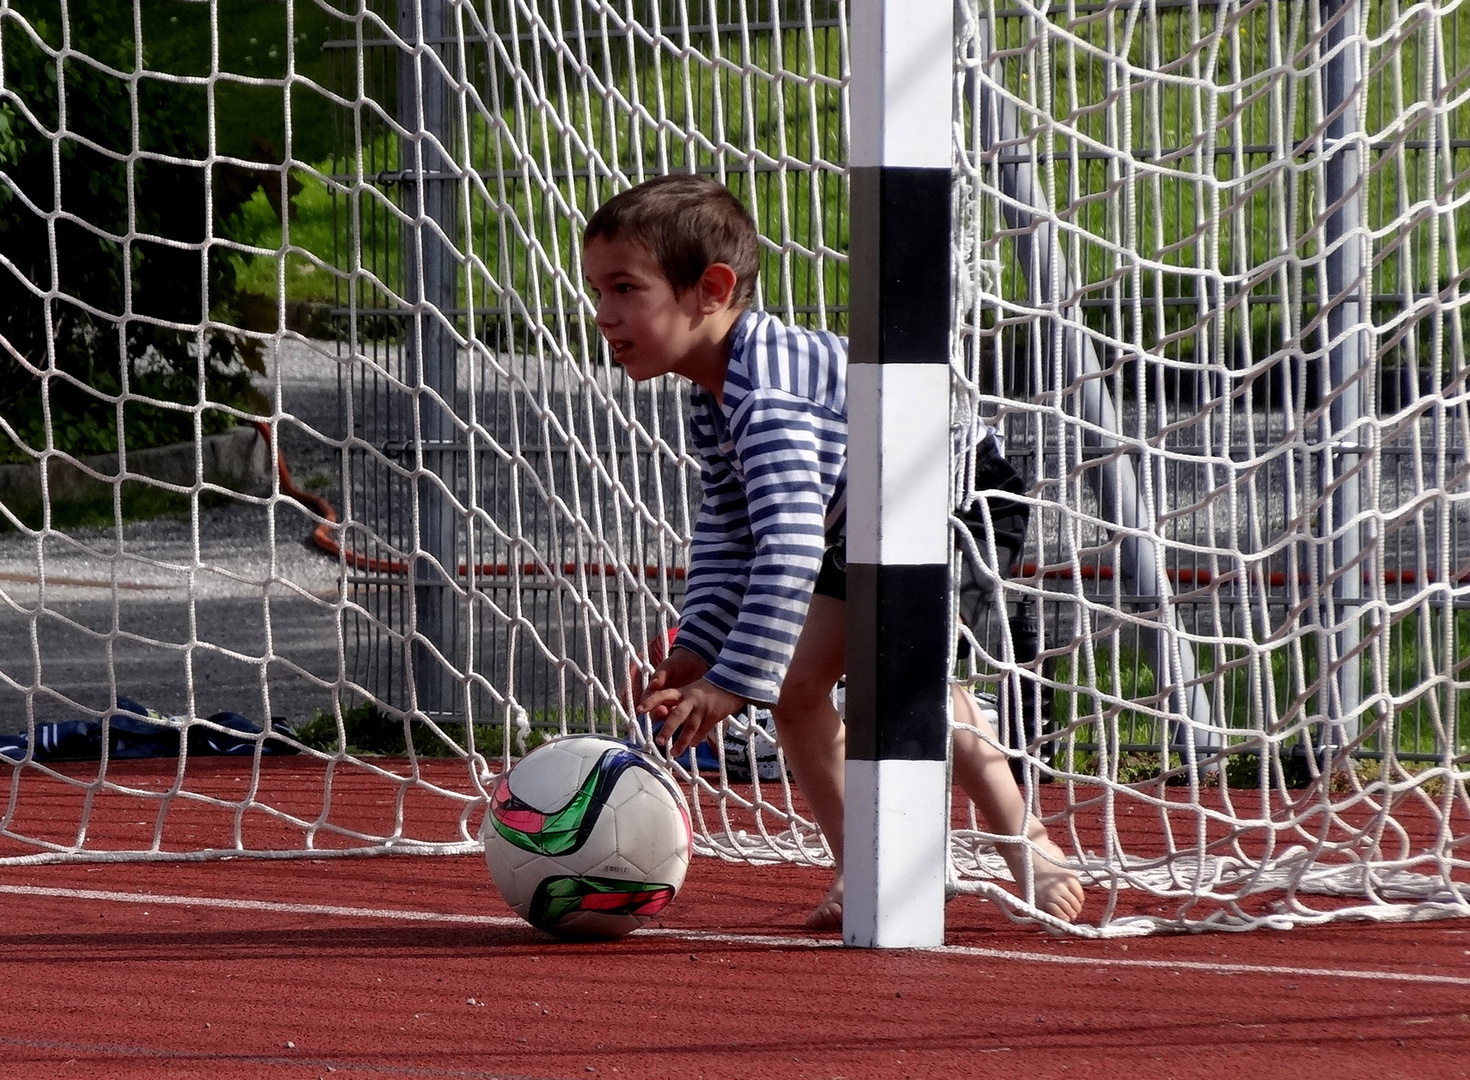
136, 731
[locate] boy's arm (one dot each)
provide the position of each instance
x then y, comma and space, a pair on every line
791, 459
792, 455
720, 552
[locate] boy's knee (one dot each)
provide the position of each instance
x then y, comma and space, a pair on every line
986, 750
800, 696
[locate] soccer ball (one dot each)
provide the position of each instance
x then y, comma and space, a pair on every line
587, 838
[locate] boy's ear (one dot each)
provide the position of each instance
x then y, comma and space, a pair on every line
716, 287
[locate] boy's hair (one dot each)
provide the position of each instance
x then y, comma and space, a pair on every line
687, 223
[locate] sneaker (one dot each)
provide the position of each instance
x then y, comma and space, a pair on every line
750, 747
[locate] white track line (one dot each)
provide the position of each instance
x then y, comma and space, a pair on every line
714, 938
261, 905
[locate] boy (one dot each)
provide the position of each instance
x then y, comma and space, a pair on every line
673, 265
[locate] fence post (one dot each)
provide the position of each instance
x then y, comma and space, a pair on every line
429, 275
1343, 291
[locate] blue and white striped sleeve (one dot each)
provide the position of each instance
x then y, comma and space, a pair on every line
719, 560
791, 453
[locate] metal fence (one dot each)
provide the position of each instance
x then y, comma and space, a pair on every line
1291, 408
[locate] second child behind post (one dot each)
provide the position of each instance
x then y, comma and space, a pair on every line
673, 265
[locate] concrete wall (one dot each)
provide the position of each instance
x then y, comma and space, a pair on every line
237, 459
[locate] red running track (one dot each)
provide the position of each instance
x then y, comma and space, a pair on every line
412, 967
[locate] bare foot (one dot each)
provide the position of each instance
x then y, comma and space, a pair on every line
827, 915
1058, 891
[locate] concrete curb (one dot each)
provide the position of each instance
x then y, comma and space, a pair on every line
237, 459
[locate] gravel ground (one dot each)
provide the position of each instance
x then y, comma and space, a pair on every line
238, 613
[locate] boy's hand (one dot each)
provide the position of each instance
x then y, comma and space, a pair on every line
690, 713
675, 671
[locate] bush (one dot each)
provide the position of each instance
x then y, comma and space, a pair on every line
114, 304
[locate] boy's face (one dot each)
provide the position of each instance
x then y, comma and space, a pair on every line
651, 329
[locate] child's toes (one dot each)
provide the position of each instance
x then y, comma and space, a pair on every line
1059, 894
1071, 902
826, 916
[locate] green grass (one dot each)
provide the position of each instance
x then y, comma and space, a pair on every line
1189, 212
1193, 211
1421, 656
335, 229
367, 730
1242, 772
520, 240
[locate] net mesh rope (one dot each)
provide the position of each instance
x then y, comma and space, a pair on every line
1216, 245
1207, 289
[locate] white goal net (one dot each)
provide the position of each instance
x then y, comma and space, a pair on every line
1210, 289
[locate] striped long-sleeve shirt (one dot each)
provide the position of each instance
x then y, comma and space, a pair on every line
773, 467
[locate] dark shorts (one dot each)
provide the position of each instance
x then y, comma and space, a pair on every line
1005, 524
832, 577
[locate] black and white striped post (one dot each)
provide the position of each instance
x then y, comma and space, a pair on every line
896, 831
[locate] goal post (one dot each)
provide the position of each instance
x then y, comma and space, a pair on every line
1347, 274
431, 277
1206, 278
898, 545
